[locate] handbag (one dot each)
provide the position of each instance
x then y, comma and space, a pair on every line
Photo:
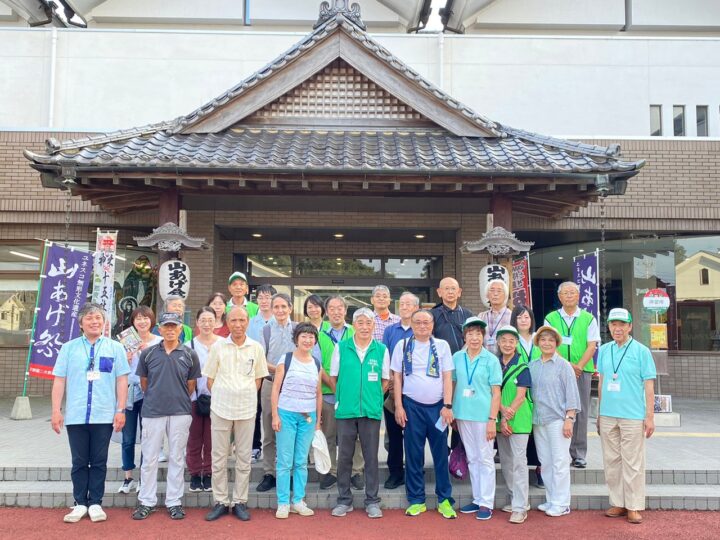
203, 405
458, 463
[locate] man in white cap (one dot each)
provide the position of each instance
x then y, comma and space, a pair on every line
238, 288
627, 415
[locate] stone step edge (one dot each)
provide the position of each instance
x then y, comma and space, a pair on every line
583, 498
578, 476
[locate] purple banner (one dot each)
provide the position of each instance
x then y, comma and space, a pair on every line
586, 275
63, 291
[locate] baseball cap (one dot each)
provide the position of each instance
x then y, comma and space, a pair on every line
474, 321
507, 329
169, 318
619, 314
237, 275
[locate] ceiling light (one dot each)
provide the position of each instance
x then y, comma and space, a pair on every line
338, 259
256, 235
419, 236
581, 250
339, 235
556, 274
560, 258
339, 264
270, 258
25, 255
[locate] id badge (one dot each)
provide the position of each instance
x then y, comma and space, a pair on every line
613, 386
567, 340
372, 377
490, 341
93, 375
468, 392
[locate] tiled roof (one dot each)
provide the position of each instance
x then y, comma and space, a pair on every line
359, 151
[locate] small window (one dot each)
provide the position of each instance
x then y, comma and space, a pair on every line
704, 276
701, 116
656, 120
679, 120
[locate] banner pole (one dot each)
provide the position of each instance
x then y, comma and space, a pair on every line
43, 273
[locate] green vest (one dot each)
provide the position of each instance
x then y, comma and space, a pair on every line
522, 421
535, 353
357, 396
327, 346
251, 307
578, 332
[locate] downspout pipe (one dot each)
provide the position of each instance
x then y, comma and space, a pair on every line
628, 16
441, 60
51, 85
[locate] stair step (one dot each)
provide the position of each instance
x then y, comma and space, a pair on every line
578, 476
57, 494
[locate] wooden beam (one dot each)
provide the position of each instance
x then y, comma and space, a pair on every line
169, 206
501, 207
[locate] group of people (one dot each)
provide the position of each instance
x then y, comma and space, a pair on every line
250, 382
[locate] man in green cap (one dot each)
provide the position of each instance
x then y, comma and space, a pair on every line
627, 415
238, 288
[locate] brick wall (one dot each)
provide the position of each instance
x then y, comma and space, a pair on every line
692, 375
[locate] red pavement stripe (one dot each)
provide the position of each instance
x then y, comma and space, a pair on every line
46, 524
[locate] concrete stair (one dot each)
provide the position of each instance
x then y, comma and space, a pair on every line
666, 489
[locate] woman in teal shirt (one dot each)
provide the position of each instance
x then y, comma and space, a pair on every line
476, 400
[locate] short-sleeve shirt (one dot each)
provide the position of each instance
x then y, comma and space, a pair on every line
234, 370
91, 402
474, 381
635, 365
203, 353
418, 386
494, 321
167, 377
299, 389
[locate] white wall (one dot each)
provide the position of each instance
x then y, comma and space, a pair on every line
591, 86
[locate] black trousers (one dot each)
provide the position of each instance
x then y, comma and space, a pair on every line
395, 447
257, 435
89, 450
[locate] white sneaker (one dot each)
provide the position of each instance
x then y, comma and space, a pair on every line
544, 507
283, 511
509, 509
302, 509
78, 512
96, 513
557, 511
128, 485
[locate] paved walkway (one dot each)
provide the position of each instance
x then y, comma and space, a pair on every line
695, 445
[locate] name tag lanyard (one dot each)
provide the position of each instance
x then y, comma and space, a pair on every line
568, 329
497, 323
612, 359
467, 369
91, 354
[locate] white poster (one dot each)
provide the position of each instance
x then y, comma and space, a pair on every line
104, 274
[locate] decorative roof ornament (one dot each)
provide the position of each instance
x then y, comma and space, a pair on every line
351, 13
171, 237
498, 242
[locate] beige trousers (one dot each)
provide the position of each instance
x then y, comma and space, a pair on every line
221, 431
623, 447
329, 429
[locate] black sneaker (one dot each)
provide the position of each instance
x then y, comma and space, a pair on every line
142, 512
579, 463
357, 482
267, 483
196, 484
207, 483
240, 510
394, 481
217, 512
327, 481
176, 512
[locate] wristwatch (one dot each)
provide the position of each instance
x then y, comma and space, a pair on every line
448, 406
571, 418
491, 419
120, 411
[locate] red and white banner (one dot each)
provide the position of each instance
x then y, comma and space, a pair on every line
104, 274
521, 291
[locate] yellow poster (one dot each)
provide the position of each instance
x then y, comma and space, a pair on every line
658, 336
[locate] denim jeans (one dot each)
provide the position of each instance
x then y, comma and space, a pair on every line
129, 435
293, 447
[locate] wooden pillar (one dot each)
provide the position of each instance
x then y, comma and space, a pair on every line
501, 209
169, 210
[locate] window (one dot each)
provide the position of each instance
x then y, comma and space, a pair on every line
701, 119
704, 276
679, 120
656, 120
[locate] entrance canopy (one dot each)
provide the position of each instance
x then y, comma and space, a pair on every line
337, 114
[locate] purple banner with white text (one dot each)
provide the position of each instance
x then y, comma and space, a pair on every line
586, 275
63, 291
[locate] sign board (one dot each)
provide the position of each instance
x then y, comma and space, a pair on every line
658, 336
521, 292
656, 300
174, 279
489, 273
104, 274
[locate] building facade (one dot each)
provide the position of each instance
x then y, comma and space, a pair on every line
346, 229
